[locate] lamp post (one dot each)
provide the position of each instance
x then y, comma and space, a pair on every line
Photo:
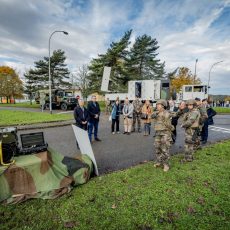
50, 92
195, 72
210, 72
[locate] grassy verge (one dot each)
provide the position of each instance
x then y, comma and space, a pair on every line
222, 110
8, 117
190, 196
34, 105
22, 105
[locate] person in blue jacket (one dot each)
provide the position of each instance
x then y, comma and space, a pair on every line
115, 114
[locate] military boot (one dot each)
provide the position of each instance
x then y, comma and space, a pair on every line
166, 168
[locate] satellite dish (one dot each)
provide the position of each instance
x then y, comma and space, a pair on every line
105, 79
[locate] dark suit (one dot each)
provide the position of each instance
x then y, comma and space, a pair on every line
209, 121
81, 116
93, 109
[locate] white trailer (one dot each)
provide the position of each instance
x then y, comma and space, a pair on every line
144, 89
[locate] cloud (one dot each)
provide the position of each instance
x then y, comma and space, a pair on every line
185, 30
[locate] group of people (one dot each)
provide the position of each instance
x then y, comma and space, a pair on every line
88, 118
132, 113
196, 115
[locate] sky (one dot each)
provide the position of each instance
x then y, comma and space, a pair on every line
186, 30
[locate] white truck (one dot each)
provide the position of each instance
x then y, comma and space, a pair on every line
192, 91
144, 89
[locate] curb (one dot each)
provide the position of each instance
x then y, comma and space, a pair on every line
44, 125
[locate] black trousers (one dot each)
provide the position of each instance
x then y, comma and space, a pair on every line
115, 121
174, 134
204, 132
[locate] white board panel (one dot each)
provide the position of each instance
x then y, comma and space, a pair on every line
105, 78
85, 145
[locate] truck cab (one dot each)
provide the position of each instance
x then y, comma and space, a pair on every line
193, 91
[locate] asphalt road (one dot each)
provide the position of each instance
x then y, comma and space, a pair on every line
120, 151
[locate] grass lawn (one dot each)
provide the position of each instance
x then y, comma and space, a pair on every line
8, 117
222, 109
190, 196
34, 105
22, 105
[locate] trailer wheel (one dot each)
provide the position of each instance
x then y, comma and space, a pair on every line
64, 106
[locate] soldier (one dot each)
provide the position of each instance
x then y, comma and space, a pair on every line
191, 125
203, 118
163, 136
137, 105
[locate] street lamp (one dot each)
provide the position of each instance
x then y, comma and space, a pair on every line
50, 93
210, 72
195, 72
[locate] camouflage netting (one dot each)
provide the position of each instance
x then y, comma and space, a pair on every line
45, 175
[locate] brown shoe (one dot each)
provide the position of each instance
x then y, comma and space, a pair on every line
166, 168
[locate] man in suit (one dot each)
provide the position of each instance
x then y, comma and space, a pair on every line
94, 114
81, 115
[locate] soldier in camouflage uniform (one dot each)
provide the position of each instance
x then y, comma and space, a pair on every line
191, 124
203, 117
163, 137
137, 114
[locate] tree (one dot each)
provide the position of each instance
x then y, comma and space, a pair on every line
82, 80
183, 76
59, 71
142, 62
10, 83
32, 83
114, 57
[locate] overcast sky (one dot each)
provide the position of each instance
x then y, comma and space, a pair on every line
185, 29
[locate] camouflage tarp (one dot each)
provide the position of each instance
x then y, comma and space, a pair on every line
45, 175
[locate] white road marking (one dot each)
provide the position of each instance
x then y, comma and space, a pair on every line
215, 127
220, 130
65, 112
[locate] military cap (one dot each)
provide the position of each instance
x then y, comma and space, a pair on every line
162, 102
191, 102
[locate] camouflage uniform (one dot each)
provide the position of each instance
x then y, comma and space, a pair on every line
137, 114
203, 117
191, 124
163, 137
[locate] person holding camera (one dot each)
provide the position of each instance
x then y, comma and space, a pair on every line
147, 111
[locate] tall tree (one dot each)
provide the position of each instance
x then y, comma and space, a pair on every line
10, 83
114, 57
81, 80
142, 62
59, 71
183, 76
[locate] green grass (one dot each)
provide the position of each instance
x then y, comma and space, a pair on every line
22, 105
190, 196
34, 105
8, 117
222, 110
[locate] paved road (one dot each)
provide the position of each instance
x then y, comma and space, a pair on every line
120, 151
